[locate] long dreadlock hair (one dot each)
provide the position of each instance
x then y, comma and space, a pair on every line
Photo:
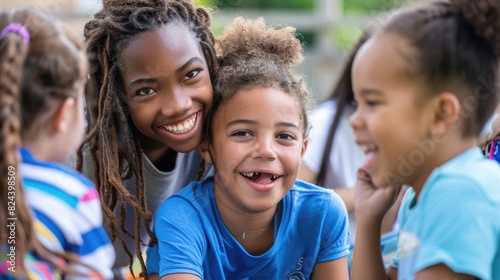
50, 66
114, 161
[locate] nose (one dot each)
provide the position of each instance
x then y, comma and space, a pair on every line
355, 120
177, 102
265, 149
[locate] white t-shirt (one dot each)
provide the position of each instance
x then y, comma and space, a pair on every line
345, 157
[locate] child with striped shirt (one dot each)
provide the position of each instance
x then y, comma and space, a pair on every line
53, 213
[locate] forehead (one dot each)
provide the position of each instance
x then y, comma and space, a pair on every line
261, 101
166, 44
383, 58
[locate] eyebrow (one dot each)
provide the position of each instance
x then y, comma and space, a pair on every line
155, 80
245, 121
189, 62
370, 91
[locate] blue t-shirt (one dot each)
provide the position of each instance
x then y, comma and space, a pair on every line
312, 227
455, 221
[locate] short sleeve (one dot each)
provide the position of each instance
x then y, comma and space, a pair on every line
459, 228
181, 241
335, 236
94, 248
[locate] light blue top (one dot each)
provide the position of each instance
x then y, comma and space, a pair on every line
455, 221
311, 227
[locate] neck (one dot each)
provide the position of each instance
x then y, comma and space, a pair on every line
443, 153
153, 149
250, 234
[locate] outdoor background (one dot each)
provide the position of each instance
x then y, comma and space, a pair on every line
328, 28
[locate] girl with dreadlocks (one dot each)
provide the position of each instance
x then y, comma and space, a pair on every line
51, 211
151, 64
422, 102
252, 219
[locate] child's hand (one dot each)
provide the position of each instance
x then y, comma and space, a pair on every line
371, 202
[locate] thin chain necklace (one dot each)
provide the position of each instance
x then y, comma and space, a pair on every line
245, 233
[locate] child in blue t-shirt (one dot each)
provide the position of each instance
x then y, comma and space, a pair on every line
53, 213
252, 219
425, 86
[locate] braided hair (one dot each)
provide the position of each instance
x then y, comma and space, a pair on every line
455, 46
112, 138
48, 63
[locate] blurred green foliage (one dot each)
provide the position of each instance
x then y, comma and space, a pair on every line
293, 5
344, 36
369, 6
350, 6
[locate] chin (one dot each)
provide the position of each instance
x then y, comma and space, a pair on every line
186, 146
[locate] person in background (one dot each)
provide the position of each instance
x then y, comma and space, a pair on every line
54, 220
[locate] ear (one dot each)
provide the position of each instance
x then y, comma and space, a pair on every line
446, 113
304, 147
204, 150
63, 115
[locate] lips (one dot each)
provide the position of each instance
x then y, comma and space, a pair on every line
183, 126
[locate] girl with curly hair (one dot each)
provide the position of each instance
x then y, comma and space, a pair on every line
253, 219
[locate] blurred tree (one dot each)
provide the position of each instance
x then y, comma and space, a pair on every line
302, 5
350, 6
369, 6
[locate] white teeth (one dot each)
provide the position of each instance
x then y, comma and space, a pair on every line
368, 148
183, 127
274, 177
250, 174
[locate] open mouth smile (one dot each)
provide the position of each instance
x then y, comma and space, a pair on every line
183, 126
261, 178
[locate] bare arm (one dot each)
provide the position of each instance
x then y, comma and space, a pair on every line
441, 271
336, 269
371, 205
367, 260
391, 216
180, 277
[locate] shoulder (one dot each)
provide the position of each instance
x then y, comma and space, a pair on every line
195, 196
57, 180
313, 197
468, 175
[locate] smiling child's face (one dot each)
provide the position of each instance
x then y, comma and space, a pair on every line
392, 114
257, 148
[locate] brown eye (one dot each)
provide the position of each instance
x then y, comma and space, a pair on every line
191, 75
145, 91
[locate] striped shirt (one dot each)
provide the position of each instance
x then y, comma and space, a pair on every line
68, 207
